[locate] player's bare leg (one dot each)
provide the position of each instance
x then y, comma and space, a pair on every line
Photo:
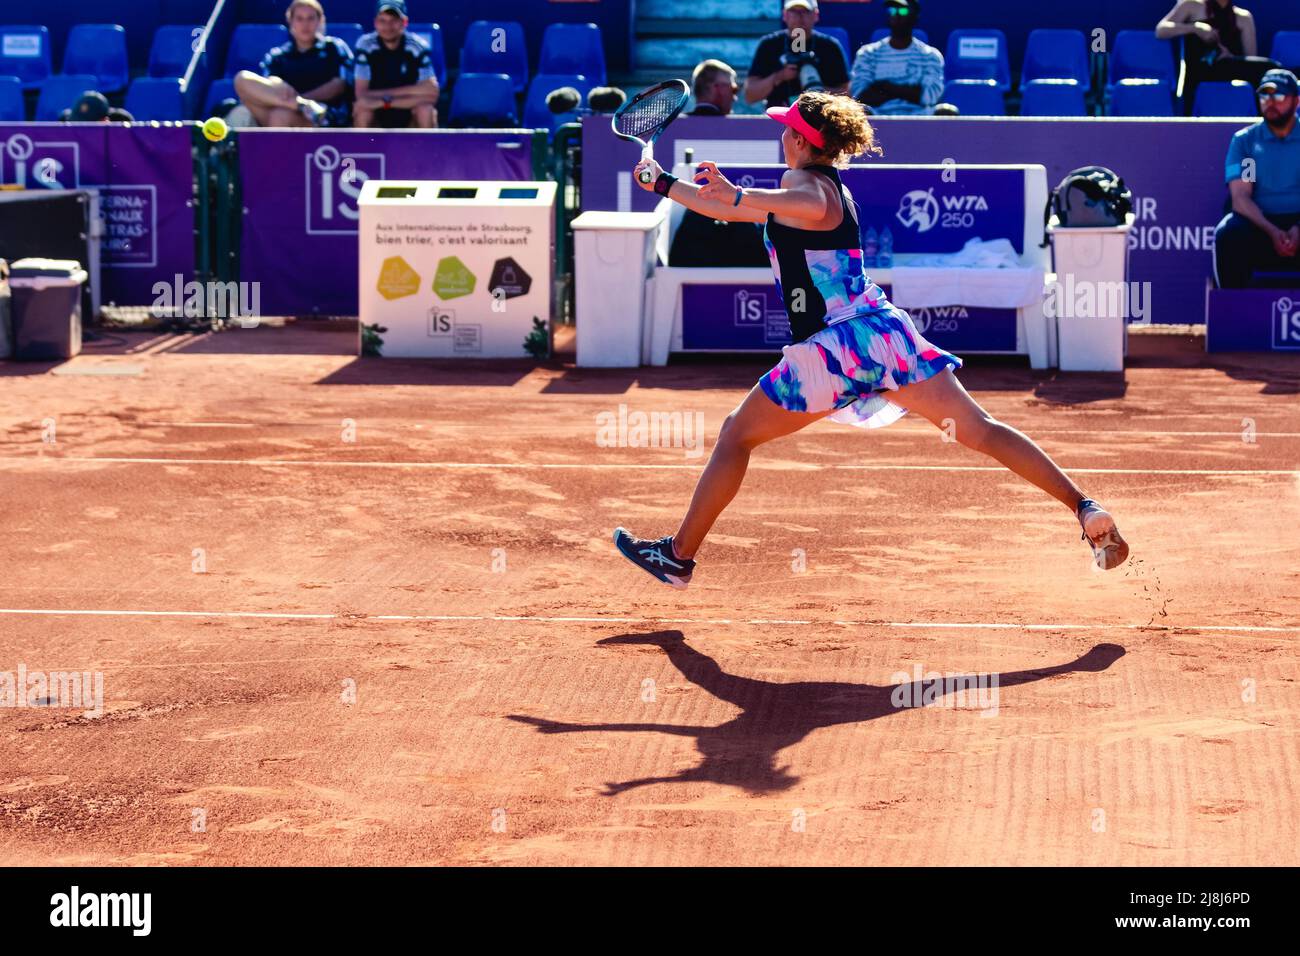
944, 401
757, 420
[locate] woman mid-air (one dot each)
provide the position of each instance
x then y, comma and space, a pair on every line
856, 357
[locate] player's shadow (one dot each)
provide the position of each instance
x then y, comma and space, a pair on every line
773, 716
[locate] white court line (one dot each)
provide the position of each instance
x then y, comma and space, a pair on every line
592, 466
546, 619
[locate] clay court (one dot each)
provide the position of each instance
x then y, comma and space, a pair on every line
546, 703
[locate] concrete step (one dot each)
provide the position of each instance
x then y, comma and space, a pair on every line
769, 11
680, 54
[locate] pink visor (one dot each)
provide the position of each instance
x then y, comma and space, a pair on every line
791, 117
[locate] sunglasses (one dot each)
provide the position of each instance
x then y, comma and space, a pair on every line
1275, 97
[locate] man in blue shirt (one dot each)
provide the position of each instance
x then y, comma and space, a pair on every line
395, 85
1263, 172
305, 82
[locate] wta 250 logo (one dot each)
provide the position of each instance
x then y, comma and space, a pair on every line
1286, 323
334, 181
920, 210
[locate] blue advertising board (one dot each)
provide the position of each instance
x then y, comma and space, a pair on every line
1252, 320
750, 317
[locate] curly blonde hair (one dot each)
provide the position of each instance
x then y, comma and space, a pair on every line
843, 124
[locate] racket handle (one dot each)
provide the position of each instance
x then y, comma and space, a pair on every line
644, 176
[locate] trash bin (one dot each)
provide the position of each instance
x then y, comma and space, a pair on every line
615, 254
46, 308
1090, 304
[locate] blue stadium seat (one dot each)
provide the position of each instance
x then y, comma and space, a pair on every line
978, 55
155, 98
222, 89
1137, 54
536, 115
431, 34
11, 100
1056, 55
60, 92
172, 50
349, 33
510, 55
883, 32
841, 36
1141, 97
100, 50
975, 97
484, 100
1236, 98
25, 53
250, 43
574, 49
1053, 98
1286, 48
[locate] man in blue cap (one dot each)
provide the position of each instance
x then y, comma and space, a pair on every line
395, 82
1263, 172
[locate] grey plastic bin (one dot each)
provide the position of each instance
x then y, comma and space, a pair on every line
46, 308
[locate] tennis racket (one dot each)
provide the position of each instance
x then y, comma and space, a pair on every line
642, 118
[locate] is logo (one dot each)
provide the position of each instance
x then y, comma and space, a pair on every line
919, 210
34, 165
334, 181
1286, 323
442, 322
751, 308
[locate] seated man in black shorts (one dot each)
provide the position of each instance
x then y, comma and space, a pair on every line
304, 82
395, 84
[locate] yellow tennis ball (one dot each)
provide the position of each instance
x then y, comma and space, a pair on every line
215, 129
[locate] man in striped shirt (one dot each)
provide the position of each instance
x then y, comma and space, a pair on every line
898, 75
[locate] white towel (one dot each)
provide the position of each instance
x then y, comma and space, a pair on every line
983, 274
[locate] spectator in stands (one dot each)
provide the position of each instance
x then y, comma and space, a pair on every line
304, 82
1221, 43
703, 241
715, 88
1263, 173
795, 59
395, 85
92, 107
898, 74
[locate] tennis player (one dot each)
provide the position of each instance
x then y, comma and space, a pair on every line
856, 357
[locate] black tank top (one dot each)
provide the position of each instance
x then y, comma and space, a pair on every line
819, 271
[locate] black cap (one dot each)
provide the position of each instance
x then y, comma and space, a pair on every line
91, 108
391, 6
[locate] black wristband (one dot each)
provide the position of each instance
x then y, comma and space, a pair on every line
664, 183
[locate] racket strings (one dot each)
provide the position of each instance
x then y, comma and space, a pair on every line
644, 117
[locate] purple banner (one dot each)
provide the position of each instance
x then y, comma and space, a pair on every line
925, 210
1174, 167
300, 190
144, 175
1252, 320
744, 318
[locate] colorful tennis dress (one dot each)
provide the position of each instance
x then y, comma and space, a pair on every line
851, 344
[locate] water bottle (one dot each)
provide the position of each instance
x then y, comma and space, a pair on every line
870, 247
810, 79
885, 259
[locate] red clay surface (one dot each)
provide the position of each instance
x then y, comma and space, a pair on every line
565, 708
